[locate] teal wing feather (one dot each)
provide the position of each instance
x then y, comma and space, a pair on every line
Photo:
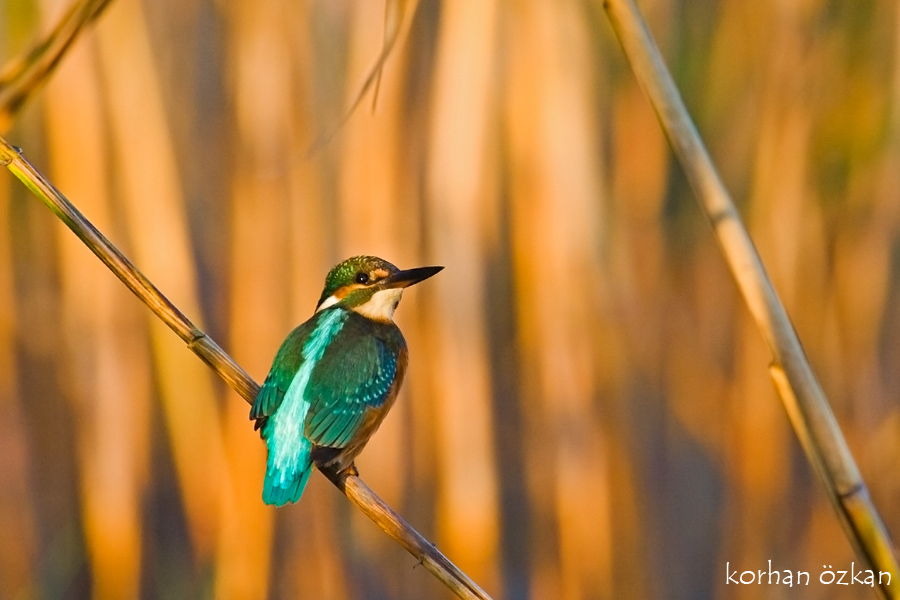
346, 383
285, 366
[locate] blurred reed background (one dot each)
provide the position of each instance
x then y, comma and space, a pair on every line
587, 412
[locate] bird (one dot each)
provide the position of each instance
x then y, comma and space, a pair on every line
335, 376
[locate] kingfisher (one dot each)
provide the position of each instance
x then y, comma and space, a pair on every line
335, 377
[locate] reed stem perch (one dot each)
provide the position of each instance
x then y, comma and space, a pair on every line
203, 346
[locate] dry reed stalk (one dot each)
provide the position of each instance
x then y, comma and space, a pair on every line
395, 14
461, 192
208, 351
154, 215
18, 519
21, 77
803, 398
550, 123
102, 357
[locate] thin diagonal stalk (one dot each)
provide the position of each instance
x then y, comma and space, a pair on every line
803, 398
21, 77
394, 11
238, 379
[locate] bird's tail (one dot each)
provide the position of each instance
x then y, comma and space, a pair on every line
280, 488
279, 492
286, 480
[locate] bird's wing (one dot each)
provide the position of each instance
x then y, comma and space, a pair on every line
345, 384
285, 366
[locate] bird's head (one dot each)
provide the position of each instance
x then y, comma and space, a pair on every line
370, 286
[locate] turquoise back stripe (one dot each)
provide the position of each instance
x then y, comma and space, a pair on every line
289, 460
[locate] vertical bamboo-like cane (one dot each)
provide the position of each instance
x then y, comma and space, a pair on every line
798, 387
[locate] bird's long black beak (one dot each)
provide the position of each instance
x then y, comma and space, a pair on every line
402, 279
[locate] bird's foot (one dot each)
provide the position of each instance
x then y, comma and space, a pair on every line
350, 470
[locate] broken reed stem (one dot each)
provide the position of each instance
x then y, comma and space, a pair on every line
803, 398
220, 362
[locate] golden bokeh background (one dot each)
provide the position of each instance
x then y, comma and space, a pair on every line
587, 412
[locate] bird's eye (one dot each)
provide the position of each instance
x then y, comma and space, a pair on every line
362, 278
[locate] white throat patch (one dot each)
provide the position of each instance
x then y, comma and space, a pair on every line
380, 306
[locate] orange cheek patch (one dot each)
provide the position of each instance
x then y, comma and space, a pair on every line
343, 292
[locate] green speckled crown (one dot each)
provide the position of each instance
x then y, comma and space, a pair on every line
345, 273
